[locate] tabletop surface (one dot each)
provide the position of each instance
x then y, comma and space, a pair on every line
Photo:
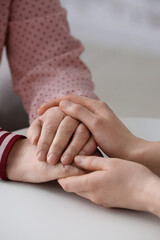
45, 211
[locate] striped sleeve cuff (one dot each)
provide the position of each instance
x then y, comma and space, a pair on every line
7, 141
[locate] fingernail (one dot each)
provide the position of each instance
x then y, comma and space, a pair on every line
51, 158
65, 159
41, 156
78, 159
64, 104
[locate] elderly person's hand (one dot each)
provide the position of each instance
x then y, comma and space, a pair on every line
23, 166
58, 136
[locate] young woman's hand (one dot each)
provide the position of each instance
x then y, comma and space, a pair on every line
23, 166
60, 137
115, 183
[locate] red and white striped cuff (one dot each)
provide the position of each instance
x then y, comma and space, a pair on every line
7, 141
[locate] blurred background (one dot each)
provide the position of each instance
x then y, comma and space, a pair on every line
122, 50
122, 41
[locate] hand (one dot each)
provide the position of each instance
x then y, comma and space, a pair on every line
109, 132
22, 165
59, 136
115, 183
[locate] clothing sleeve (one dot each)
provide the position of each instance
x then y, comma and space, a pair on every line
7, 140
44, 58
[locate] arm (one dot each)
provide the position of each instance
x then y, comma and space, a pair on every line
43, 56
154, 198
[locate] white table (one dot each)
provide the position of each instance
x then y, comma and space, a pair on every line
45, 211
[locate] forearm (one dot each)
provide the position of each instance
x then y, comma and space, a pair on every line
153, 197
7, 141
146, 153
43, 56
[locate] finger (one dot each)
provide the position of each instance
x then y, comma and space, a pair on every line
34, 131
91, 163
48, 133
61, 171
79, 112
90, 103
63, 135
75, 183
94, 105
79, 184
89, 148
79, 139
46, 106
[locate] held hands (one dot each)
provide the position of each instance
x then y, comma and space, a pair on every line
60, 137
112, 182
115, 183
109, 132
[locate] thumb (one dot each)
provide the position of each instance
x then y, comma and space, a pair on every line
34, 131
79, 112
62, 171
44, 107
91, 163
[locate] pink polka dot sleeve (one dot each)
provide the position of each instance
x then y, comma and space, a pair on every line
44, 58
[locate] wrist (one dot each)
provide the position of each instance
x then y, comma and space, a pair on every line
152, 197
146, 153
136, 149
11, 164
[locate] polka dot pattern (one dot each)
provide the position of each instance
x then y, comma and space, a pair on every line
43, 56
4, 16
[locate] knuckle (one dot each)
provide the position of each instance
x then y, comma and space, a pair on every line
66, 169
68, 126
71, 151
71, 121
78, 108
49, 126
53, 112
97, 122
83, 132
43, 145
57, 147
65, 131
90, 162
